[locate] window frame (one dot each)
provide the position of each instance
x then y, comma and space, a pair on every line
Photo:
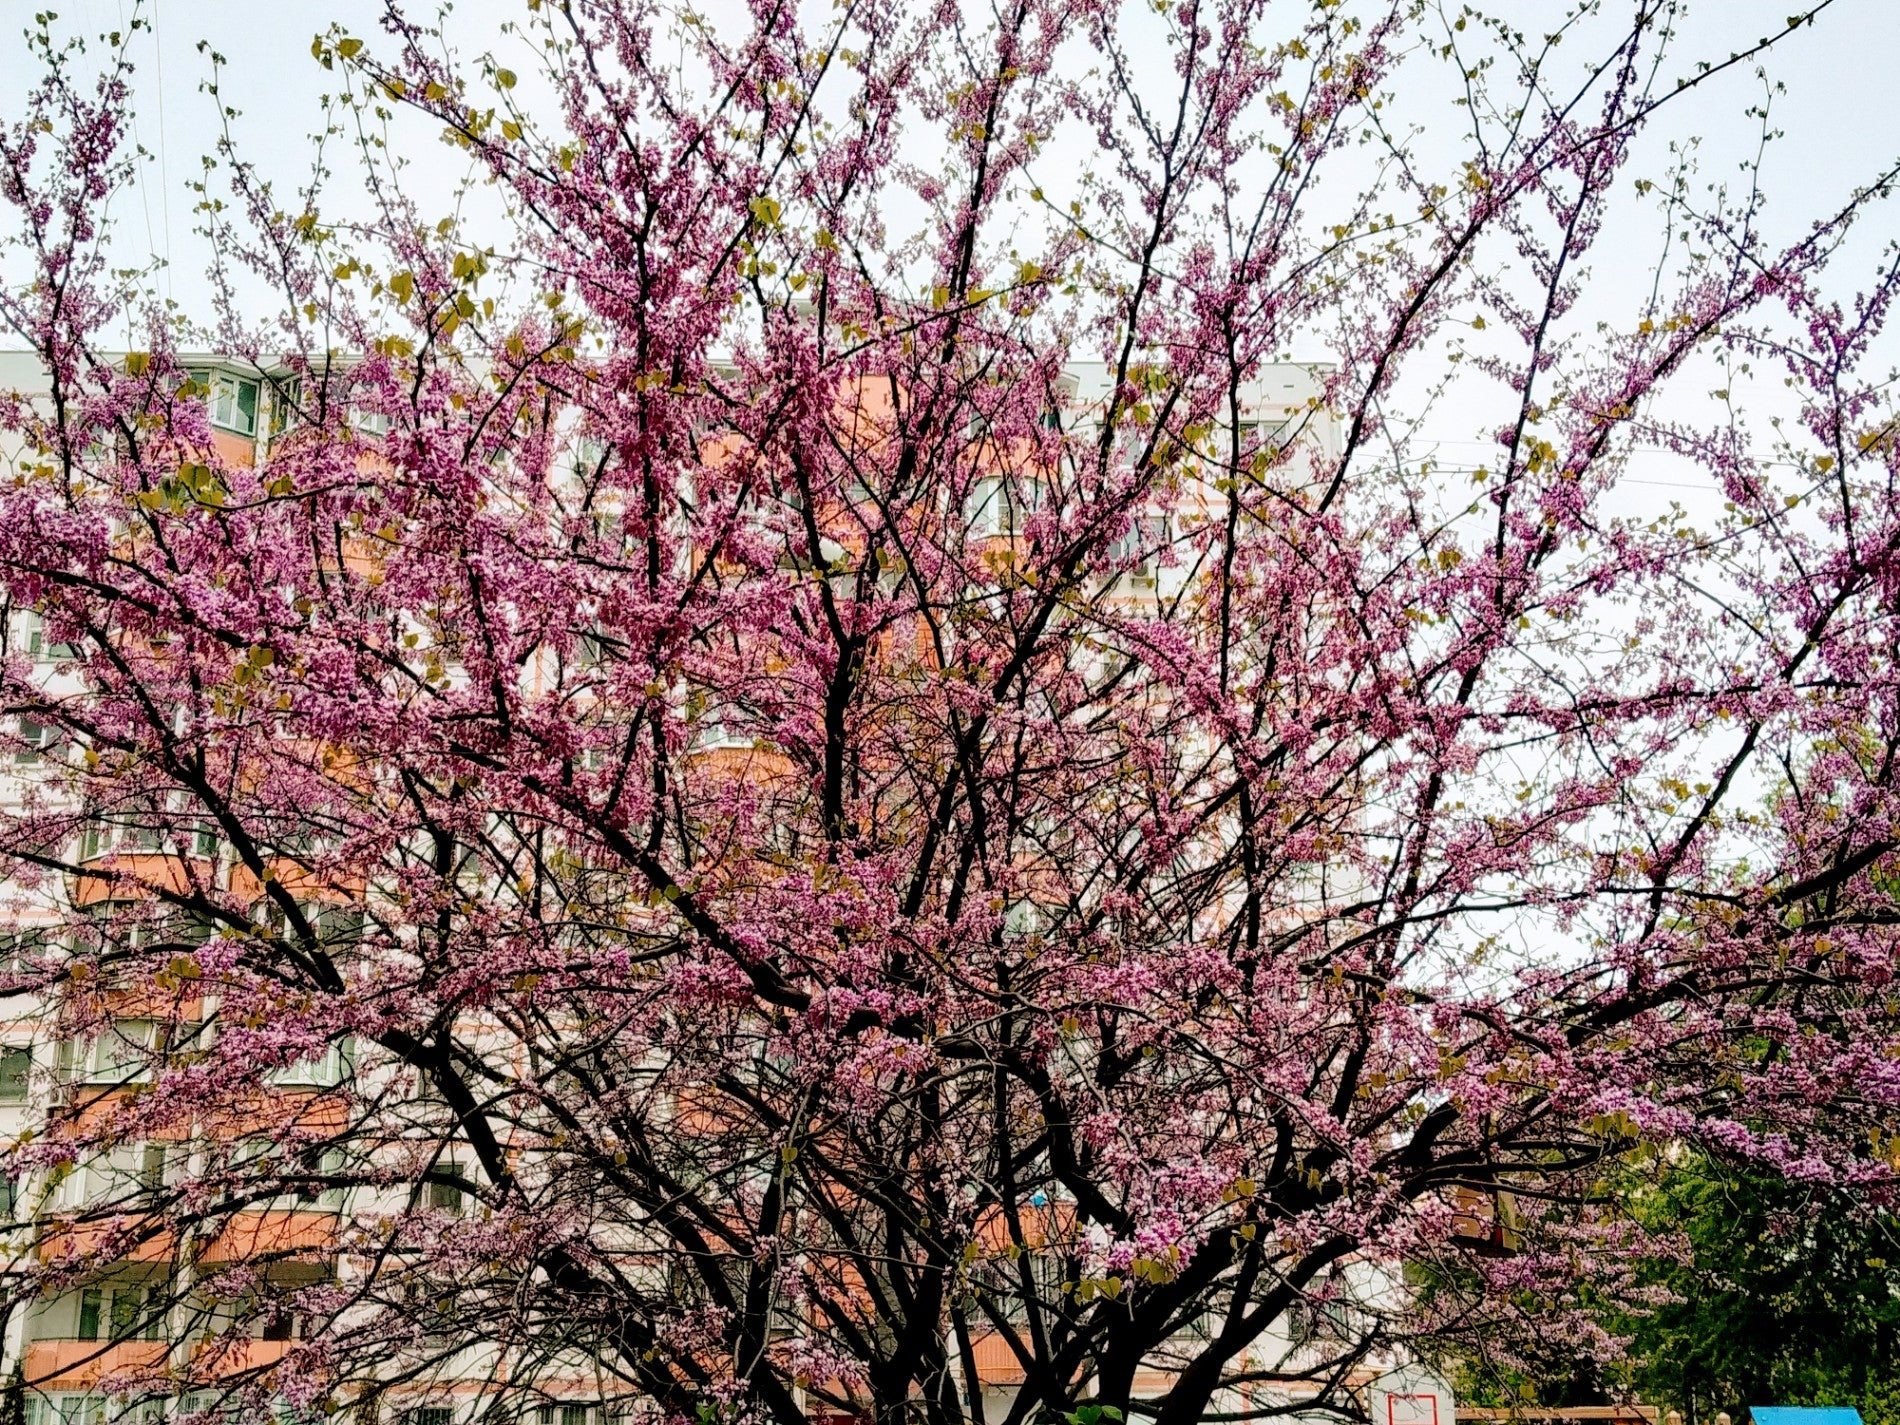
95, 1069
445, 1197
37, 647
20, 1056
38, 741
92, 1312
227, 386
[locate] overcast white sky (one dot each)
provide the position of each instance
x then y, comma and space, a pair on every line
1839, 112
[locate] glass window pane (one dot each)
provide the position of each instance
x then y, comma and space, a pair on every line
119, 1054
35, 737
15, 1065
38, 647
126, 1302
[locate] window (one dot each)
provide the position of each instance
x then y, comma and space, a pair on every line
117, 838
96, 841
277, 1322
300, 839
428, 1415
15, 1066
233, 403
1261, 442
997, 506
444, 1196
1135, 553
122, 1176
130, 828
286, 402
19, 949
983, 511
589, 455
62, 1409
324, 1166
36, 740
90, 1302
119, 1054
336, 926
713, 724
435, 1312
989, 515
608, 530
595, 650
325, 1069
710, 732
38, 646
128, 1312
1022, 918
339, 926
151, 1175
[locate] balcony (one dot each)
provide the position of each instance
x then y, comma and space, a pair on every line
138, 875
314, 888
79, 1365
151, 1240
223, 1357
725, 755
996, 1363
274, 1233
315, 1110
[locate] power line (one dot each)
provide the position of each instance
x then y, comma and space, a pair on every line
164, 175
145, 198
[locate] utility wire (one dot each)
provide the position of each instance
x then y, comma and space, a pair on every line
145, 197
164, 175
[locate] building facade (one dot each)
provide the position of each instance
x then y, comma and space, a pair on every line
166, 1260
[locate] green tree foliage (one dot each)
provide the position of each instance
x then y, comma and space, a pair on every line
1788, 1294
1754, 1290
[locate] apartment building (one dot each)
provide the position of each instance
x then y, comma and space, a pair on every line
158, 1275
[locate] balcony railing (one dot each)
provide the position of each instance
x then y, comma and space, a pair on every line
76, 1365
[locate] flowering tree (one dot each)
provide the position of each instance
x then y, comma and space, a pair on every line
845, 782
